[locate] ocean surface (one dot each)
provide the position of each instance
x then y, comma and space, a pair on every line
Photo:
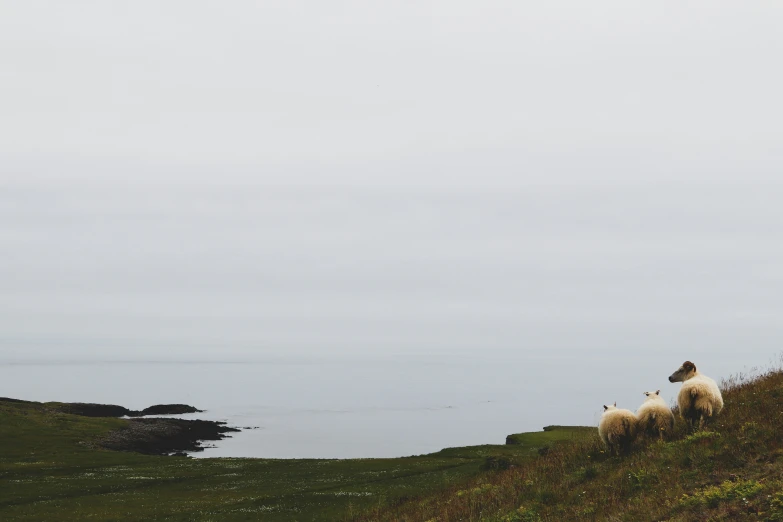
375, 407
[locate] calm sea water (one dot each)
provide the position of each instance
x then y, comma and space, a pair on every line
381, 407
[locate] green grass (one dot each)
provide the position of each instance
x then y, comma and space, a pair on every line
550, 435
50, 470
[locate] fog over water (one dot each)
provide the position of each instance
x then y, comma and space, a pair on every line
377, 229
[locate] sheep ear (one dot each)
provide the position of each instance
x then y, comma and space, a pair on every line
615, 404
606, 407
658, 392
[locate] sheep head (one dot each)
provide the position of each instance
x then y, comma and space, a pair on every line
683, 373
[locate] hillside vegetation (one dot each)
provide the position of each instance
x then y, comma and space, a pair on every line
732, 470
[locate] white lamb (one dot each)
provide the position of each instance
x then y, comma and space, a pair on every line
654, 416
617, 429
699, 398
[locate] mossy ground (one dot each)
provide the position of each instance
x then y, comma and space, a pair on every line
50, 470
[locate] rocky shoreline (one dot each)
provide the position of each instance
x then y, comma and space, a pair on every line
165, 436
150, 436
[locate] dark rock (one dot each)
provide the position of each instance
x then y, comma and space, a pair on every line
164, 436
169, 409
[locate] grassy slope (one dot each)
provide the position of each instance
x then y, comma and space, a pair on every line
731, 471
48, 471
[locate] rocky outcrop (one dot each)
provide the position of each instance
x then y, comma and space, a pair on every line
88, 409
164, 436
169, 409
151, 436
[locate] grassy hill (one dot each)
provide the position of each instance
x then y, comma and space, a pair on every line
733, 470
51, 469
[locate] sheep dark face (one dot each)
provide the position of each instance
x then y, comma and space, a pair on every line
683, 373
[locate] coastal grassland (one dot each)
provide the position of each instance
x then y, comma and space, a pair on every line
732, 470
51, 469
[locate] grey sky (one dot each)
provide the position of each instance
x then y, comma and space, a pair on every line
220, 180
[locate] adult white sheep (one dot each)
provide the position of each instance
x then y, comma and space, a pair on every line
699, 398
654, 416
617, 429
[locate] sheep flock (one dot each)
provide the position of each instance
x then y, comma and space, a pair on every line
699, 401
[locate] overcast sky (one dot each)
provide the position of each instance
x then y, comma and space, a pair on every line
249, 179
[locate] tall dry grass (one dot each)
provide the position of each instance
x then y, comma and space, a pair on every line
730, 469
